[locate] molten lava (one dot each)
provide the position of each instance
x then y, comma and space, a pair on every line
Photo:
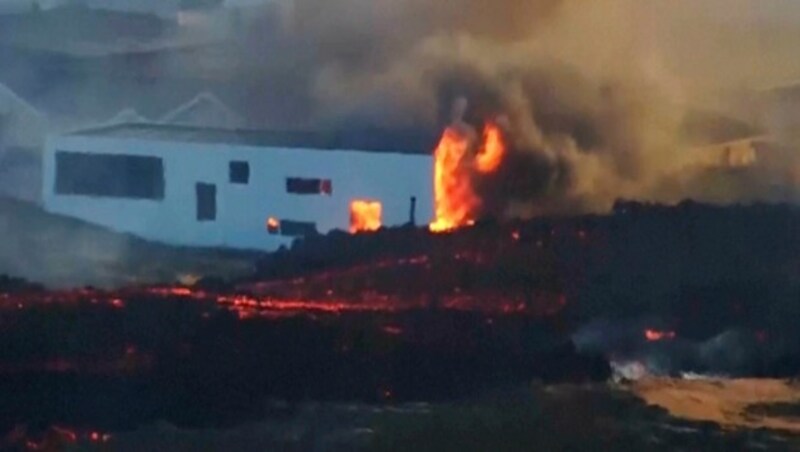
365, 216
456, 165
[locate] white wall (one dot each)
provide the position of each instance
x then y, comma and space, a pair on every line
242, 210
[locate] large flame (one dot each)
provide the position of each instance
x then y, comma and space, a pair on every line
456, 163
454, 196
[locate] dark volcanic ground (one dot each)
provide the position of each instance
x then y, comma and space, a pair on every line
371, 324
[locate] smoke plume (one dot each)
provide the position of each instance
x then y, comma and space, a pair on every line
596, 93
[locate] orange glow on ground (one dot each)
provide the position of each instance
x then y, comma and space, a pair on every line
365, 216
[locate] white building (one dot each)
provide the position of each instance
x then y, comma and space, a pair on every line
22, 135
238, 189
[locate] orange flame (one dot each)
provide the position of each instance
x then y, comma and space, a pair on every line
455, 197
493, 151
365, 216
273, 225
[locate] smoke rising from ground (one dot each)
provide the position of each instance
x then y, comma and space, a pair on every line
596, 92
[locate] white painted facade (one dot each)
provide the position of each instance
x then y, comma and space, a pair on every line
242, 210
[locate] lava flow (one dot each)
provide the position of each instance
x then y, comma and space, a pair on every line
456, 164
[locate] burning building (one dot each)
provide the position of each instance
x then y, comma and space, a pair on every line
239, 189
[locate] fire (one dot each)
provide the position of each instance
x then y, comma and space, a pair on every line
656, 335
365, 216
273, 225
493, 151
455, 199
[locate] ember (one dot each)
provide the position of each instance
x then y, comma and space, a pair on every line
365, 216
656, 335
273, 225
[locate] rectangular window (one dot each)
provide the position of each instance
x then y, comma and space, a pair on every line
109, 175
297, 228
300, 186
365, 216
206, 201
239, 172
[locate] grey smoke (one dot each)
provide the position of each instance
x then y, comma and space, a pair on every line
597, 92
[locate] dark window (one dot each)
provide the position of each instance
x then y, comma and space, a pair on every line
297, 228
107, 175
239, 172
206, 202
300, 186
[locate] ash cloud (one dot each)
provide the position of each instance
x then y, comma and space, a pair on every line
597, 92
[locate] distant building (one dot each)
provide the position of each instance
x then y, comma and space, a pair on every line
205, 110
21, 125
8, 7
734, 154
240, 189
22, 136
780, 111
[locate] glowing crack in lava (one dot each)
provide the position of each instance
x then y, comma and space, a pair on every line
455, 164
365, 216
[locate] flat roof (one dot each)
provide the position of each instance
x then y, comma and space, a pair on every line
366, 140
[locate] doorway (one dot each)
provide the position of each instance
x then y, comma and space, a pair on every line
206, 195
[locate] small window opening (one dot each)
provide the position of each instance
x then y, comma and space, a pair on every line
291, 228
365, 216
298, 228
300, 186
239, 172
206, 201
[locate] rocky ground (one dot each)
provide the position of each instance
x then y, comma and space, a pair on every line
609, 417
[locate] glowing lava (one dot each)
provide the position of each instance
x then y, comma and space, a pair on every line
365, 216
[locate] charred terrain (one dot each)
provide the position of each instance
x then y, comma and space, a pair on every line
376, 323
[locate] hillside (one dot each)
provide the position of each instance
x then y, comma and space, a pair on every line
63, 252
